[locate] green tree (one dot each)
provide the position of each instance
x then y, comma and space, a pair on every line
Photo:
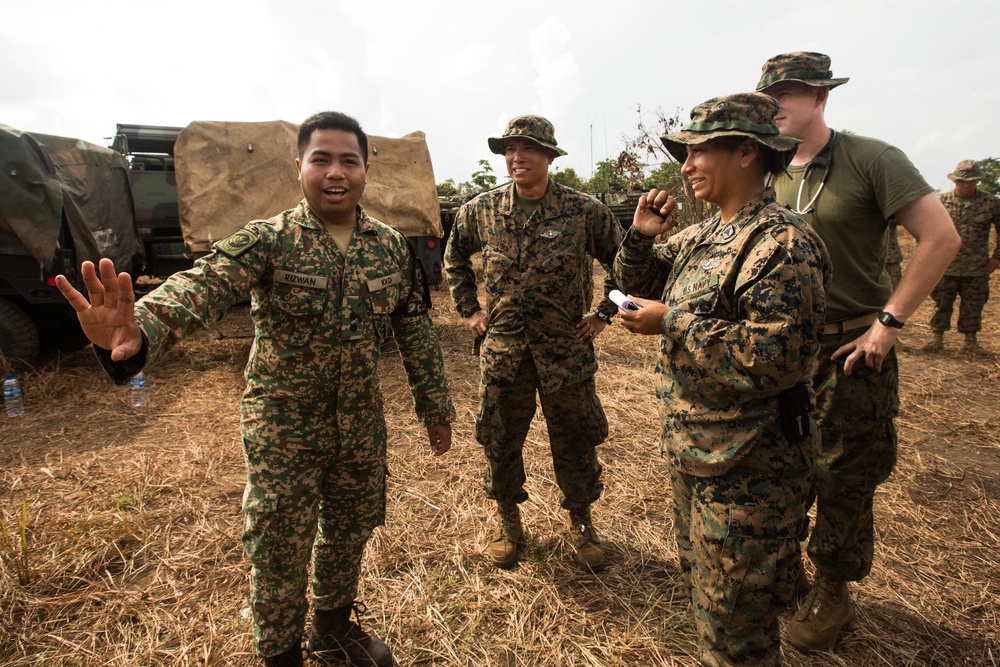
447, 189
607, 178
991, 171
484, 178
569, 178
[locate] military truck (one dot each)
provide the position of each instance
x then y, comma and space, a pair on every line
230, 173
62, 201
153, 183
159, 198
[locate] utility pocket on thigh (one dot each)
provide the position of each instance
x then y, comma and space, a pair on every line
736, 555
262, 540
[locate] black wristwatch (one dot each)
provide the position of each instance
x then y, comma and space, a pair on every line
889, 320
604, 317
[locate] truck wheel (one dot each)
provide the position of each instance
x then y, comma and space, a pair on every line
18, 335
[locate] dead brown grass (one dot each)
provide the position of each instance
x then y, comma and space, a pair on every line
131, 523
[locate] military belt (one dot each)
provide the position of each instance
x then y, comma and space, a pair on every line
849, 325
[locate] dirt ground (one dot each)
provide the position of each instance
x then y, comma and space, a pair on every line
121, 526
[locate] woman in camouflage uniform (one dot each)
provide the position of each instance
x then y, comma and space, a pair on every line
739, 302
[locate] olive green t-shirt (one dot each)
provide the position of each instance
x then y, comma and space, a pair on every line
869, 182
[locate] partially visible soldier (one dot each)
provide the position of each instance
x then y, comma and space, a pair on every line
328, 284
894, 256
849, 189
968, 276
537, 238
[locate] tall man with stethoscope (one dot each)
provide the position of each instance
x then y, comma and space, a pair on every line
850, 188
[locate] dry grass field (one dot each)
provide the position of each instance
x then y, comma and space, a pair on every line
120, 542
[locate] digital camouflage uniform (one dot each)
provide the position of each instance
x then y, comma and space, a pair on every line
313, 430
966, 276
535, 296
745, 304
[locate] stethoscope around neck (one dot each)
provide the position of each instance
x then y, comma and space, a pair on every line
822, 159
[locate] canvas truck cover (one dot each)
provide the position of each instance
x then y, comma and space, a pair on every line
43, 176
231, 173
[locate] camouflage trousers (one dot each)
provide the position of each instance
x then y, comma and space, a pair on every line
855, 414
738, 539
974, 292
309, 500
576, 425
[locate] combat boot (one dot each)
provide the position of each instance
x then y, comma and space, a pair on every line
589, 553
972, 346
503, 550
821, 616
936, 344
290, 658
337, 640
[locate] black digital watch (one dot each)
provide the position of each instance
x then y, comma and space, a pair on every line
889, 320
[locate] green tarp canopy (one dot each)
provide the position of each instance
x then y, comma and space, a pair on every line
44, 179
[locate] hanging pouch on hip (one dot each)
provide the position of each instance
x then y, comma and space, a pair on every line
794, 406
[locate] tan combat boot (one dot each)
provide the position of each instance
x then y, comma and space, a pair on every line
589, 553
819, 619
936, 344
972, 346
503, 550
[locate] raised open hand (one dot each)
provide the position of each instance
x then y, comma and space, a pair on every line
108, 318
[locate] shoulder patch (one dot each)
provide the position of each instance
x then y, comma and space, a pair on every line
237, 243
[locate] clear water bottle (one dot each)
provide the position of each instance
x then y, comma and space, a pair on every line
12, 399
137, 393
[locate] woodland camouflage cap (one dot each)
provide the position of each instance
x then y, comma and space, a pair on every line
807, 67
967, 170
531, 127
741, 115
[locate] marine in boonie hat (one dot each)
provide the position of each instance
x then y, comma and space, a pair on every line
808, 67
741, 115
532, 127
967, 170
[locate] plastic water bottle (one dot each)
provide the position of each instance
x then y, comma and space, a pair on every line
138, 391
12, 399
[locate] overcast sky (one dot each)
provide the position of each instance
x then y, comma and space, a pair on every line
925, 76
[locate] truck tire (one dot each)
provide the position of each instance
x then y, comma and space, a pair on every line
18, 336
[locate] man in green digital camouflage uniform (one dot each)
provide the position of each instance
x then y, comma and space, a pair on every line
738, 301
974, 212
536, 238
850, 188
327, 284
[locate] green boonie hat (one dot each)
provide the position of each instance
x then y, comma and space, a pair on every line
967, 170
532, 127
808, 67
741, 115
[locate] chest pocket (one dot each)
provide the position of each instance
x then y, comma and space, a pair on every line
383, 295
296, 312
558, 252
701, 296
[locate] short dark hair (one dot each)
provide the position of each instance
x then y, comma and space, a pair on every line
332, 120
773, 162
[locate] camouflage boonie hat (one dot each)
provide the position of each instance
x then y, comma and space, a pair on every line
531, 127
741, 115
967, 170
808, 67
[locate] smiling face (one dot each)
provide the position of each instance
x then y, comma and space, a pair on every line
714, 171
528, 166
332, 175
